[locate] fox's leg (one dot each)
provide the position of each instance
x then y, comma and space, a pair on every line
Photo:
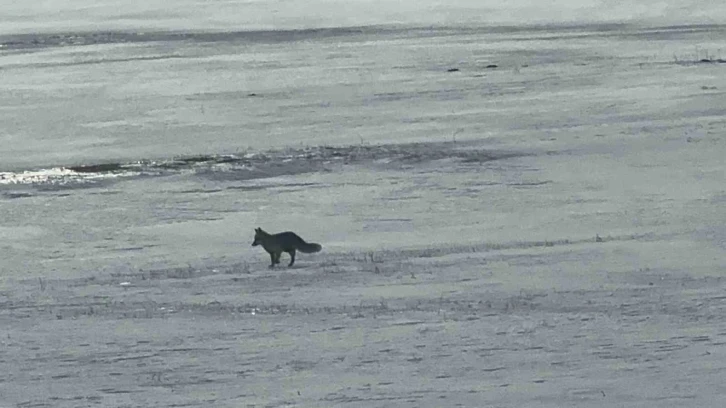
292, 257
277, 257
272, 259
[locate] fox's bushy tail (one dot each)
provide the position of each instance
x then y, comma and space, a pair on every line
309, 248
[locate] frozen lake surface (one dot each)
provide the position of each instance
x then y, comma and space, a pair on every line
511, 215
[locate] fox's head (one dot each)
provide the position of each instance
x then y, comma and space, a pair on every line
259, 235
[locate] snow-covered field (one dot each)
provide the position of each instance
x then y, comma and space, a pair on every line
231, 15
510, 217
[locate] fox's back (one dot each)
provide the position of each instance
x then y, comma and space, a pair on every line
283, 241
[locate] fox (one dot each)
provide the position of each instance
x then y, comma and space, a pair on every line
276, 244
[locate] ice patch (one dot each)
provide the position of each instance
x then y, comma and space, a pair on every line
59, 176
267, 164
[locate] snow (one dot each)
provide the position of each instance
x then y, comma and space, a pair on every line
556, 238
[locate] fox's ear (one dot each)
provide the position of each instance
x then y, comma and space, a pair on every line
258, 229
